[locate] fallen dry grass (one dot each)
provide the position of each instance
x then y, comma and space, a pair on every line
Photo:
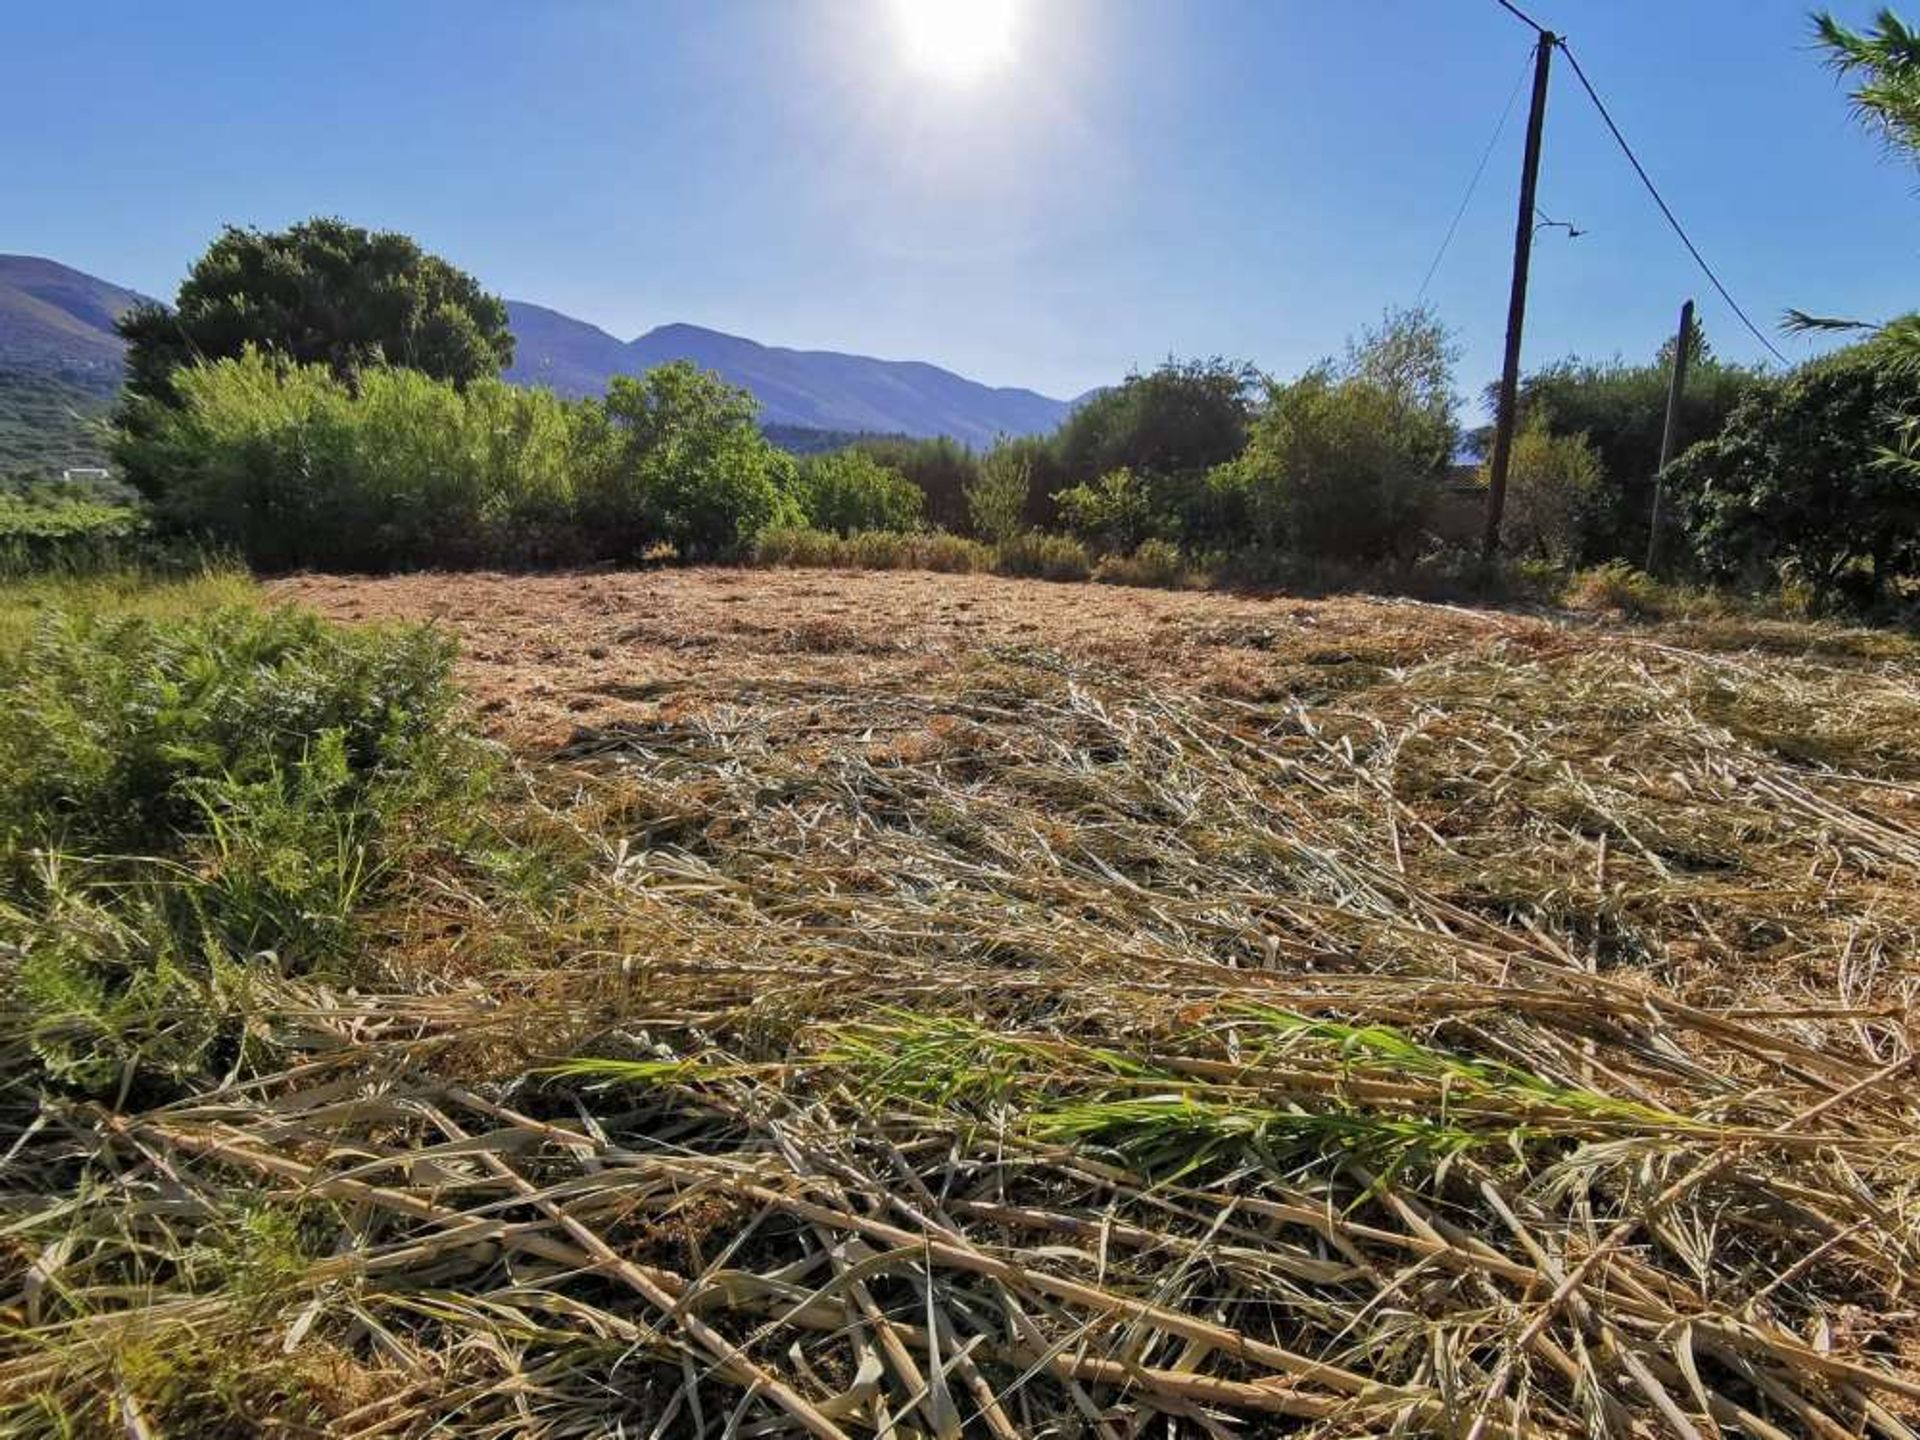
960, 1006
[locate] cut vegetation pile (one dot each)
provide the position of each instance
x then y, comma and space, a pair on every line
1503, 1037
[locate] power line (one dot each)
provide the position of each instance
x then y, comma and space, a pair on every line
1474, 184
1521, 16
1658, 199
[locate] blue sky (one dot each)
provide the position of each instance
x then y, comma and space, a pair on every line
1251, 178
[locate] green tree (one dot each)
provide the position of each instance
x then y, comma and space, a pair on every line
1804, 482
1346, 461
940, 467
847, 491
997, 499
320, 292
1111, 515
1168, 428
1185, 417
1885, 61
687, 466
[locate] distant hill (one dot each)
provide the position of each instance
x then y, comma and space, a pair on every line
56, 318
60, 364
806, 389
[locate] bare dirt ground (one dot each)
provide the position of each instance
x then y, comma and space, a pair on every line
548, 654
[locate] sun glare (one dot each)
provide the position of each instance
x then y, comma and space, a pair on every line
959, 41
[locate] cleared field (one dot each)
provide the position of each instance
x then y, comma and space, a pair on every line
964, 1006
548, 653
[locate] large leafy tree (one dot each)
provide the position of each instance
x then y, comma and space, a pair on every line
320, 292
1167, 429
1345, 462
681, 461
1803, 481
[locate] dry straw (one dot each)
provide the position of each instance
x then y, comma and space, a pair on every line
1516, 1044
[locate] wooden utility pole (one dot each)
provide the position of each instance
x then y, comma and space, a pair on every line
1506, 417
1670, 437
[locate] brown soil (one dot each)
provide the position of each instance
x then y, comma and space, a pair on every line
547, 654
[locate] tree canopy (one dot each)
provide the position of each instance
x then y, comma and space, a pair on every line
1803, 481
320, 292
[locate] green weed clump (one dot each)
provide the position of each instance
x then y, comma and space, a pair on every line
1154, 564
1620, 588
1035, 555
191, 806
801, 547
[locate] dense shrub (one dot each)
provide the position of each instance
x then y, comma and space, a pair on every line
1621, 411
180, 797
848, 491
1344, 463
1034, 554
1807, 483
1553, 484
873, 550
36, 534
941, 469
1155, 563
686, 467
1340, 468
294, 467
799, 546
1111, 515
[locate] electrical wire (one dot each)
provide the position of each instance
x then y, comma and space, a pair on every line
1660, 200
1521, 16
1474, 184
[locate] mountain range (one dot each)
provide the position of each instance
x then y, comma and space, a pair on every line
58, 320
811, 389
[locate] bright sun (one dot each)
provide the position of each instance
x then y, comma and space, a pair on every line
959, 41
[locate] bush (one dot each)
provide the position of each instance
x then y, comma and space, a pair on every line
65, 534
181, 797
688, 467
1345, 463
954, 554
1620, 409
799, 546
1553, 483
1035, 555
1811, 483
1621, 589
848, 491
1155, 564
1111, 515
295, 468
873, 550
1338, 469
997, 499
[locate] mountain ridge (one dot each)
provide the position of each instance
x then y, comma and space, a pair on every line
813, 389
